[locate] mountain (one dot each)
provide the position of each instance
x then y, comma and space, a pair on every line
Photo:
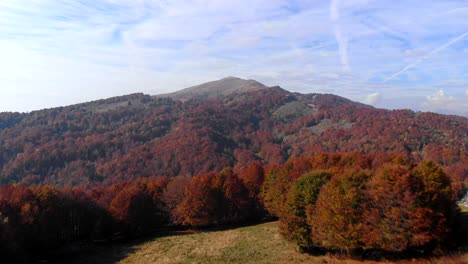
219, 88
204, 128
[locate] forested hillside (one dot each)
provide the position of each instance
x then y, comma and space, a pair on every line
333, 171
349, 203
138, 135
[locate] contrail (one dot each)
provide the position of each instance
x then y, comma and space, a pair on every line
455, 10
340, 37
446, 45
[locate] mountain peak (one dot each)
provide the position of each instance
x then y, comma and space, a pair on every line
219, 88
231, 78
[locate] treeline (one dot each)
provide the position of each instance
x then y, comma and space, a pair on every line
363, 204
338, 202
38, 221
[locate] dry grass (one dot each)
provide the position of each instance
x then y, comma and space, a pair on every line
254, 244
463, 208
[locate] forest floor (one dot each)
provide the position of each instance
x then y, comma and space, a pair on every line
260, 243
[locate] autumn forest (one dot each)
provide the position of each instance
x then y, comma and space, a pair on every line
341, 176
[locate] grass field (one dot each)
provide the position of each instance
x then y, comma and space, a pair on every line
253, 244
464, 208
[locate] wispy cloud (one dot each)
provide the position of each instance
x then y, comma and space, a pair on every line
60, 52
425, 57
340, 36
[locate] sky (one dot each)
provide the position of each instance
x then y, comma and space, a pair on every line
409, 54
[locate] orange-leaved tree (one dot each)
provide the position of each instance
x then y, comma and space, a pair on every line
337, 216
436, 202
391, 210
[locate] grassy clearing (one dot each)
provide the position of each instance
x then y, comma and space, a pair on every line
254, 244
463, 208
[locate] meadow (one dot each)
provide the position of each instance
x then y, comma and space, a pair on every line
259, 243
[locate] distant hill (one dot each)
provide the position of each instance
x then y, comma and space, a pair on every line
219, 88
229, 122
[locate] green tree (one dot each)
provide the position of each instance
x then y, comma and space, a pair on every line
302, 195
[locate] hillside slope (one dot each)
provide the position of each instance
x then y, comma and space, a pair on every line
121, 138
253, 244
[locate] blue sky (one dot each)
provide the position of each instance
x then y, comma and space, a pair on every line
391, 54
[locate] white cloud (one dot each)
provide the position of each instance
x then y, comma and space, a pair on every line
373, 98
466, 92
439, 98
82, 50
444, 103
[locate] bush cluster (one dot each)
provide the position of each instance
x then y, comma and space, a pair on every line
353, 203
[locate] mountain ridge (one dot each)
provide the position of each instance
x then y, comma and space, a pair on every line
120, 138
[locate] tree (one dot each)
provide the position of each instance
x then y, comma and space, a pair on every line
337, 216
138, 205
391, 210
215, 198
301, 197
173, 196
252, 178
275, 187
437, 204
